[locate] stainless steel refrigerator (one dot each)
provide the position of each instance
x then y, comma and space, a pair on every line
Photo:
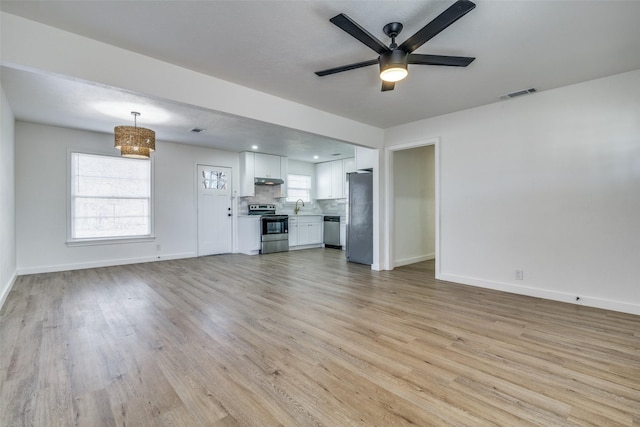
360, 219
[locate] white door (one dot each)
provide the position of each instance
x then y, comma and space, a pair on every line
214, 210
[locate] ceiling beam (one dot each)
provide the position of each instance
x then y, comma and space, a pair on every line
37, 47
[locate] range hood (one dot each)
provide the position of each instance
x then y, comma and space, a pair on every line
268, 181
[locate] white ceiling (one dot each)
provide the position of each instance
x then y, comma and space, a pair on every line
58, 101
275, 47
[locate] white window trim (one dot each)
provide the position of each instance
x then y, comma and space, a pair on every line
107, 240
292, 203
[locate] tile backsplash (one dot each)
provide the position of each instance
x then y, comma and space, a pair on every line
264, 194
333, 206
272, 194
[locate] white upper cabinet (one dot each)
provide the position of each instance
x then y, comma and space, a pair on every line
267, 166
323, 180
247, 177
349, 165
366, 158
330, 180
259, 165
337, 179
284, 170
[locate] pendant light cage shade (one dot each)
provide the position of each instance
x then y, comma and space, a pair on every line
134, 142
135, 152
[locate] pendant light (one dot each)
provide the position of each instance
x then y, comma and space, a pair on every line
133, 141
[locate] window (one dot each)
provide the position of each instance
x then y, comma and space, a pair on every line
298, 187
110, 197
214, 180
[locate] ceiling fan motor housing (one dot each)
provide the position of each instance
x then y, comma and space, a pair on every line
395, 59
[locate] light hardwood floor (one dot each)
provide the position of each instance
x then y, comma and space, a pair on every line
304, 338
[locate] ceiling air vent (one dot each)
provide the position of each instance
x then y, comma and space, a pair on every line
197, 130
518, 93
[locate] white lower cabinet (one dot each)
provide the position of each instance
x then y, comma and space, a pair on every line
309, 234
305, 231
249, 235
293, 232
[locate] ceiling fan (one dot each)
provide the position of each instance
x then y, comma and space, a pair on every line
393, 60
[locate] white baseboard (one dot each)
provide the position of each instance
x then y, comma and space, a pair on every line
104, 263
254, 252
413, 260
543, 293
298, 247
7, 288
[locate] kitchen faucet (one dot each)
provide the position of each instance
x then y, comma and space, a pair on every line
297, 209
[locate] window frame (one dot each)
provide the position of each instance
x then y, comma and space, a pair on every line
90, 241
289, 188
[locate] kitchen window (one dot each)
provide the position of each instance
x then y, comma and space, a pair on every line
110, 198
298, 187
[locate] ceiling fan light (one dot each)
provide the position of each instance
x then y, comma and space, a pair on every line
394, 74
393, 65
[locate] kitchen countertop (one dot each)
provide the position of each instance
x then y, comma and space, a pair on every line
283, 213
302, 213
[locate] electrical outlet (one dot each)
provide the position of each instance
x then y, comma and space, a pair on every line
519, 275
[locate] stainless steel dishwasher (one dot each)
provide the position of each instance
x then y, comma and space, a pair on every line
332, 232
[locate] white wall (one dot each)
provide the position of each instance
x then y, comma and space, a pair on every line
413, 205
548, 184
7, 199
41, 200
301, 168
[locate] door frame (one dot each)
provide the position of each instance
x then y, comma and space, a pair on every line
232, 198
389, 197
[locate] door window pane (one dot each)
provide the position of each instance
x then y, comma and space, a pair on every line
214, 180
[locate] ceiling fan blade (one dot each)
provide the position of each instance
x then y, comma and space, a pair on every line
387, 86
355, 30
453, 61
346, 67
433, 28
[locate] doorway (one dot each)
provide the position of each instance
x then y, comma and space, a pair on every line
215, 226
412, 233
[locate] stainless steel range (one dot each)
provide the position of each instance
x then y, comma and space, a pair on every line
274, 228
